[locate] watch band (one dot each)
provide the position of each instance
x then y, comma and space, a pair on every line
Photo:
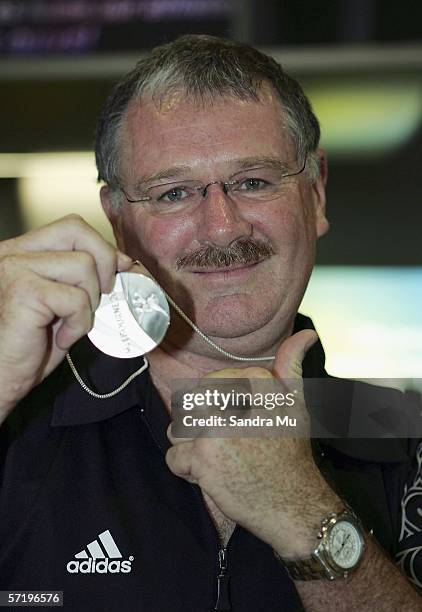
304, 569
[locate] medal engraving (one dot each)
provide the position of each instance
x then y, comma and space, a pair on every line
132, 319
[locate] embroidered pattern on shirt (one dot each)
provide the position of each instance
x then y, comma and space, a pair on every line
409, 557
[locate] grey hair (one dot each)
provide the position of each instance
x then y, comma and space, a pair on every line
204, 67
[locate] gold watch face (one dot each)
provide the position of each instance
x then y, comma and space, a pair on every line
345, 544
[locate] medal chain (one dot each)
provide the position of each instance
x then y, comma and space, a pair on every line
111, 393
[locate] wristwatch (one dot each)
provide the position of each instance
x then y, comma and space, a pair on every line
339, 551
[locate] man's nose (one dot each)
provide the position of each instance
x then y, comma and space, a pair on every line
222, 220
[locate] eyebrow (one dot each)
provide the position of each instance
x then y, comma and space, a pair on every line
180, 171
260, 160
168, 173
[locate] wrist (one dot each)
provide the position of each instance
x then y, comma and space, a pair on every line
298, 538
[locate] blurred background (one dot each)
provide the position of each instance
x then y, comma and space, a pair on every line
360, 62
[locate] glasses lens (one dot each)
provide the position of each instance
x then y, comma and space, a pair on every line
262, 183
173, 197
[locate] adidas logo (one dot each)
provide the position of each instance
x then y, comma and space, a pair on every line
105, 559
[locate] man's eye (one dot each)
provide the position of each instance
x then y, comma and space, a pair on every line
252, 184
174, 195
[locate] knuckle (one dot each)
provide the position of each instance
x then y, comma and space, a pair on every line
110, 255
82, 321
38, 289
73, 218
81, 300
86, 261
87, 326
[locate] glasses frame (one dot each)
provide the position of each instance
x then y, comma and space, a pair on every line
225, 185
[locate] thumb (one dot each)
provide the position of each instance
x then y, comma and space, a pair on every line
291, 353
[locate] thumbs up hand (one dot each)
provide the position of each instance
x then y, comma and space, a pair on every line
269, 485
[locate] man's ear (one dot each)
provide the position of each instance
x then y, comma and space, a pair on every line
319, 197
113, 215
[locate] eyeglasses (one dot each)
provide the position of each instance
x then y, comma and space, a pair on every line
260, 184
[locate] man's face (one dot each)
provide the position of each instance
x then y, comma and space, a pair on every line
211, 142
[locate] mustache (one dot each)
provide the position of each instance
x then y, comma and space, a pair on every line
242, 251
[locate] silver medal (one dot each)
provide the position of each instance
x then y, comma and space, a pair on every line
132, 319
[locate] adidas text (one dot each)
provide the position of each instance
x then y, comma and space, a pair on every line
99, 566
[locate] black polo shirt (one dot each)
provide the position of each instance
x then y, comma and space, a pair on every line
89, 507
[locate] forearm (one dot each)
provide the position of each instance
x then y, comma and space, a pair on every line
376, 585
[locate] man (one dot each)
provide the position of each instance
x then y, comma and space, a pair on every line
95, 500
